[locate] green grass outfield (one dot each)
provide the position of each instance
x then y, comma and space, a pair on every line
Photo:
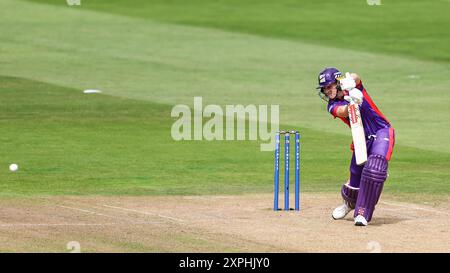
151, 55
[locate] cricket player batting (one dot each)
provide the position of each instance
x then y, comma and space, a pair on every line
363, 189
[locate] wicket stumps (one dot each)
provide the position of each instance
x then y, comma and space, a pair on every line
287, 138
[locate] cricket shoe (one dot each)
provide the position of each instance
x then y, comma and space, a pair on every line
341, 211
360, 221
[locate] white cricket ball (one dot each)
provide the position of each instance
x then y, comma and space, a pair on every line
13, 167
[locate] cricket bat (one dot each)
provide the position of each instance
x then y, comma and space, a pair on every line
359, 138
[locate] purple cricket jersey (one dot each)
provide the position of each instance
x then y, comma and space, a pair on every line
372, 118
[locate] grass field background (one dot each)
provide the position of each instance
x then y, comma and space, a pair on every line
150, 55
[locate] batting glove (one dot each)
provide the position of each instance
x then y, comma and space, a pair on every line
347, 83
356, 95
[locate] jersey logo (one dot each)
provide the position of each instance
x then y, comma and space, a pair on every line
361, 211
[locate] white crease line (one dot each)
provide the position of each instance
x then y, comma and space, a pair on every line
82, 210
56, 225
144, 212
207, 197
90, 212
108, 216
416, 208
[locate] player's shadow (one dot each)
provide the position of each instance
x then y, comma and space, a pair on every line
386, 221
380, 221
